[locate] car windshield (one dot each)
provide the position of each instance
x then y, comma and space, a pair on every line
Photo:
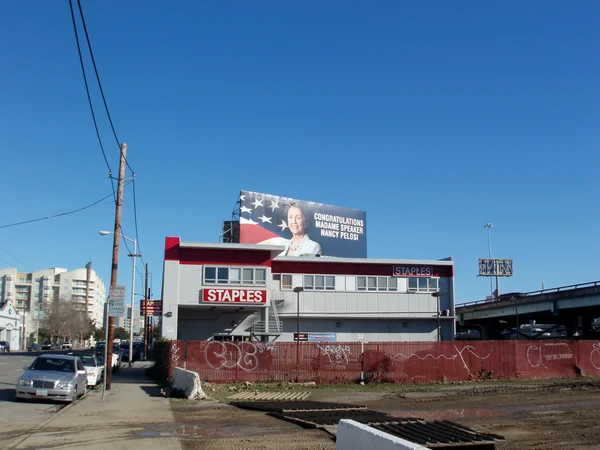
54, 364
88, 360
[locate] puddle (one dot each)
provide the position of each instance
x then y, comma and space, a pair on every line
176, 430
456, 413
447, 414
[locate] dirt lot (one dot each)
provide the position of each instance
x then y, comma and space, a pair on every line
548, 414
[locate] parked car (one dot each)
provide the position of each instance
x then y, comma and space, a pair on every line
116, 356
67, 344
47, 345
53, 377
596, 324
94, 369
467, 335
137, 353
34, 348
4, 347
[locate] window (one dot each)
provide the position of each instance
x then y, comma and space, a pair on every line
382, 284
235, 275
210, 275
423, 284
286, 281
223, 275
330, 283
309, 282
319, 282
248, 276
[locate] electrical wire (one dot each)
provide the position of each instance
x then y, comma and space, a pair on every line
87, 37
59, 214
87, 89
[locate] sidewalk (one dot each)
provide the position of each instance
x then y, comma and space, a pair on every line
132, 416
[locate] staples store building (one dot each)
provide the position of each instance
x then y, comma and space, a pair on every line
236, 291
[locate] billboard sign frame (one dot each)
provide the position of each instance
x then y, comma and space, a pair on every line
495, 267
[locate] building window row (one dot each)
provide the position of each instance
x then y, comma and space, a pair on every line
364, 283
423, 284
235, 275
376, 283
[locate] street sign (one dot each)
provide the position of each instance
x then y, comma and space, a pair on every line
116, 309
117, 293
151, 307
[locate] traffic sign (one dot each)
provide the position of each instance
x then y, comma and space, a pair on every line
116, 309
117, 293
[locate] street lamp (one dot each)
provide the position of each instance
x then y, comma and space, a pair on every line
297, 290
133, 255
437, 296
489, 227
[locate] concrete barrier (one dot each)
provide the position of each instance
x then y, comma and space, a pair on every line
353, 435
188, 382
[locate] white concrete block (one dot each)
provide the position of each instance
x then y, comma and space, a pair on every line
188, 382
353, 435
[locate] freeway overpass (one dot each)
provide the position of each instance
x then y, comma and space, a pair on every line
573, 307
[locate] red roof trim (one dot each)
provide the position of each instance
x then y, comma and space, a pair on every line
172, 248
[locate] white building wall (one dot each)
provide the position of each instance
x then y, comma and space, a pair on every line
361, 315
52, 284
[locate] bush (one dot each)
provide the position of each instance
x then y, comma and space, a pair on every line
159, 372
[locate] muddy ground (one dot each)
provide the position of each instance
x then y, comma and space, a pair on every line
545, 415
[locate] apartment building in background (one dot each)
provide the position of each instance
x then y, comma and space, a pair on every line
32, 292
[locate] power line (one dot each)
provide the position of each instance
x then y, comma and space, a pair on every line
13, 257
87, 37
87, 89
59, 214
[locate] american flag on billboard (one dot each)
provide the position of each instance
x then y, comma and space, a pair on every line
263, 218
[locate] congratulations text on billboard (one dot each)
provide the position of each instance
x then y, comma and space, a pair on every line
339, 227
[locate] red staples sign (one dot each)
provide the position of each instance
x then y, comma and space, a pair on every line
210, 295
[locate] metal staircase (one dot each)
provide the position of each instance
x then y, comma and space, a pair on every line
273, 327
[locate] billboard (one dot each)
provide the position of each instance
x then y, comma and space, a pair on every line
303, 228
495, 267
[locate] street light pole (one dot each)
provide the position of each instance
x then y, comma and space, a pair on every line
489, 227
437, 296
297, 290
133, 255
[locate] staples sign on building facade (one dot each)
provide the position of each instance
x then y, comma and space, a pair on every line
303, 228
413, 271
256, 297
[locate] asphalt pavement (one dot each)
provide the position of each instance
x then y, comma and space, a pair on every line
132, 415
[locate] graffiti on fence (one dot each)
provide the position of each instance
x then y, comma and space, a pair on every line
229, 354
459, 354
537, 354
336, 354
595, 355
174, 354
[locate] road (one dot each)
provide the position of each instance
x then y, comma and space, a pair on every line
19, 418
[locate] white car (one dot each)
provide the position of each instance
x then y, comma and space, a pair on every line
596, 324
93, 368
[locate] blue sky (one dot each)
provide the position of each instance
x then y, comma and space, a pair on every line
434, 117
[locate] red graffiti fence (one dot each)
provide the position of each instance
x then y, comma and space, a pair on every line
400, 362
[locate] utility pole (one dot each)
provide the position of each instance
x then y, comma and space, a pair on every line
146, 317
115, 264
